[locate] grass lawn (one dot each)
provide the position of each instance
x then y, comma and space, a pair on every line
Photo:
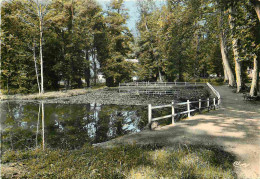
120, 162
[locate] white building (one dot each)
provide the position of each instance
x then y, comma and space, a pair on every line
101, 78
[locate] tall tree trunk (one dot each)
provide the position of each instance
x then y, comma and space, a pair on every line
256, 4
227, 69
40, 21
160, 76
225, 74
87, 69
238, 68
0, 44
254, 85
95, 65
35, 66
257, 9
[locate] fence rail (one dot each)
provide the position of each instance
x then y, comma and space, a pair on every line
149, 91
154, 88
144, 84
215, 103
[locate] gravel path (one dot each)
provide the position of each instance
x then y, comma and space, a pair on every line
235, 128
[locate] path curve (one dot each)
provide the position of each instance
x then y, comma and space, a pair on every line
235, 127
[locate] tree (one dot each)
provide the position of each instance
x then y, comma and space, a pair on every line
256, 4
0, 43
40, 15
226, 65
115, 68
237, 60
150, 49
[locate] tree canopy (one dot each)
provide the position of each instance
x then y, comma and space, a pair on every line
67, 40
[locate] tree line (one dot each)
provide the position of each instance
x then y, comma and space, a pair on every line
189, 39
44, 42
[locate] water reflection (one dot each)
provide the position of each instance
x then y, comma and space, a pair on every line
67, 126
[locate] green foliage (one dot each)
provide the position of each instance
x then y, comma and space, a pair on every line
16, 52
181, 39
115, 68
77, 36
150, 45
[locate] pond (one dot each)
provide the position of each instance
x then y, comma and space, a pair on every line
66, 126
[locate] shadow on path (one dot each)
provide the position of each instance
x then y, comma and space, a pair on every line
235, 128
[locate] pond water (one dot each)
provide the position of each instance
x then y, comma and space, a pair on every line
66, 126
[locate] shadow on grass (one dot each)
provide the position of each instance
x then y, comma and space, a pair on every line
129, 161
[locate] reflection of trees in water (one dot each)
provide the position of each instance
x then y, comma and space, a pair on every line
67, 126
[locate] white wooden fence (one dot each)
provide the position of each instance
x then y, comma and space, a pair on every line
162, 84
154, 88
188, 106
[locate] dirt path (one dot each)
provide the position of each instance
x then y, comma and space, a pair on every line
235, 127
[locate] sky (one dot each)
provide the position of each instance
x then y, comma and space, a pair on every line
131, 5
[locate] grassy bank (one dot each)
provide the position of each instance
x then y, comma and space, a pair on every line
49, 95
120, 162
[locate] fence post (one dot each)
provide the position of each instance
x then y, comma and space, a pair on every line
208, 103
199, 105
173, 112
188, 107
214, 103
185, 83
149, 113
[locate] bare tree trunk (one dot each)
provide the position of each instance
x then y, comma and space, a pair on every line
257, 9
87, 69
238, 68
36, 68
40, 25
254, 85
256, 4
160, 76
95, 65
225, 74
227, 69
0, 44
